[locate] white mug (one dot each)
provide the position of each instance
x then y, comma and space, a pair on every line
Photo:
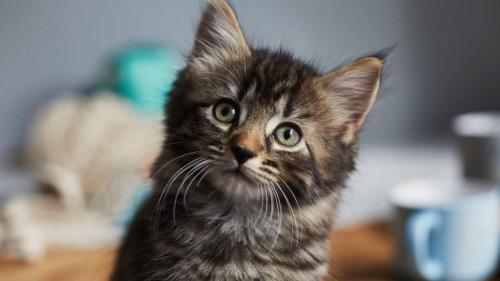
446, 229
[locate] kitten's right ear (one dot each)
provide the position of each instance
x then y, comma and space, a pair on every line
218, 37
351, 92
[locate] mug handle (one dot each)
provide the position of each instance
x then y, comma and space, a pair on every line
420, 226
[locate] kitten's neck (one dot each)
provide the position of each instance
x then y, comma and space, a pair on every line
261, 219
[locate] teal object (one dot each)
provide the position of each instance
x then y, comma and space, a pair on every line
144, 76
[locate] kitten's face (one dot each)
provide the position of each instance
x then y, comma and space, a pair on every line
254, 122
257, 118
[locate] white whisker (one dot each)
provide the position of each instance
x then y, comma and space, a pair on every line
186, 168
299, 234
292, 212
158, 203
170, 161
205, 174
199, 170
279, 212
166, 190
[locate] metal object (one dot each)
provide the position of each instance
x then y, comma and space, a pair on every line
479, 144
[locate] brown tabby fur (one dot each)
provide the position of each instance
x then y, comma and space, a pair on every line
268, 217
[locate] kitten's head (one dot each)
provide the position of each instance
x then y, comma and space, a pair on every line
254, 122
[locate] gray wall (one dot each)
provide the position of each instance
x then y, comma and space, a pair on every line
447, 60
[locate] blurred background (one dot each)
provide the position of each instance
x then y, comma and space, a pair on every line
446, 62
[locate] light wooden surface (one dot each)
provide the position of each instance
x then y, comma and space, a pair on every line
362, 253
359, 253
62, 265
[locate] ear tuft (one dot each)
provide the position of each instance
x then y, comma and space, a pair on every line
219, 35
352, 90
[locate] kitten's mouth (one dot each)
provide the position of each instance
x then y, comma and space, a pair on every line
238, 174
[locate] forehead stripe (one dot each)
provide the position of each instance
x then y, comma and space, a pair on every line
292, 97
248, 91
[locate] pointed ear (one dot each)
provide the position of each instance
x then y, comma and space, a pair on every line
219, 35
351, 91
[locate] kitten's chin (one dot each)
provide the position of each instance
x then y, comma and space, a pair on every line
236, 184
238, 176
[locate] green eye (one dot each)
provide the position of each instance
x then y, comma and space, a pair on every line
287, 135
225, 112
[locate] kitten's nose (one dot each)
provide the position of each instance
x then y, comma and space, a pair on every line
242, 154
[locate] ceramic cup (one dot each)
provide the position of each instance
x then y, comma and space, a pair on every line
479, 144
446, 229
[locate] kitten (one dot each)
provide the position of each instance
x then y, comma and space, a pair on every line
259, 146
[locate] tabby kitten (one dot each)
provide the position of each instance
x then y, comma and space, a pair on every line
259, 146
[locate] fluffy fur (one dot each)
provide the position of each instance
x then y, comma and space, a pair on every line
231, 201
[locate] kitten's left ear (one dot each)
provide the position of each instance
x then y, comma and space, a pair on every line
352, 91
219, 35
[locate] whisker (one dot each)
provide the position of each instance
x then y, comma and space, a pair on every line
170, 161
266, 195
292, 212
193, 163
298, 206
201, 168
194, 169
260, 176
268, 170
205, 174
158, 203
261, 204
271, 200
166, 190
279, 213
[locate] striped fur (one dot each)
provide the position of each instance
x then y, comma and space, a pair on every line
211, 218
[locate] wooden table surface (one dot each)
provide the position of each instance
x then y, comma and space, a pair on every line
359, 253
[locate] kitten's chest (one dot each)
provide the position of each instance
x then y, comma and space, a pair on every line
232, 250
216, 243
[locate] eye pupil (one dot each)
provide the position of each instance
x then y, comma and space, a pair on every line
225, 111
288, 134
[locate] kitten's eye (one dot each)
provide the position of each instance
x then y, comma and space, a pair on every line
287, 135
225, 112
